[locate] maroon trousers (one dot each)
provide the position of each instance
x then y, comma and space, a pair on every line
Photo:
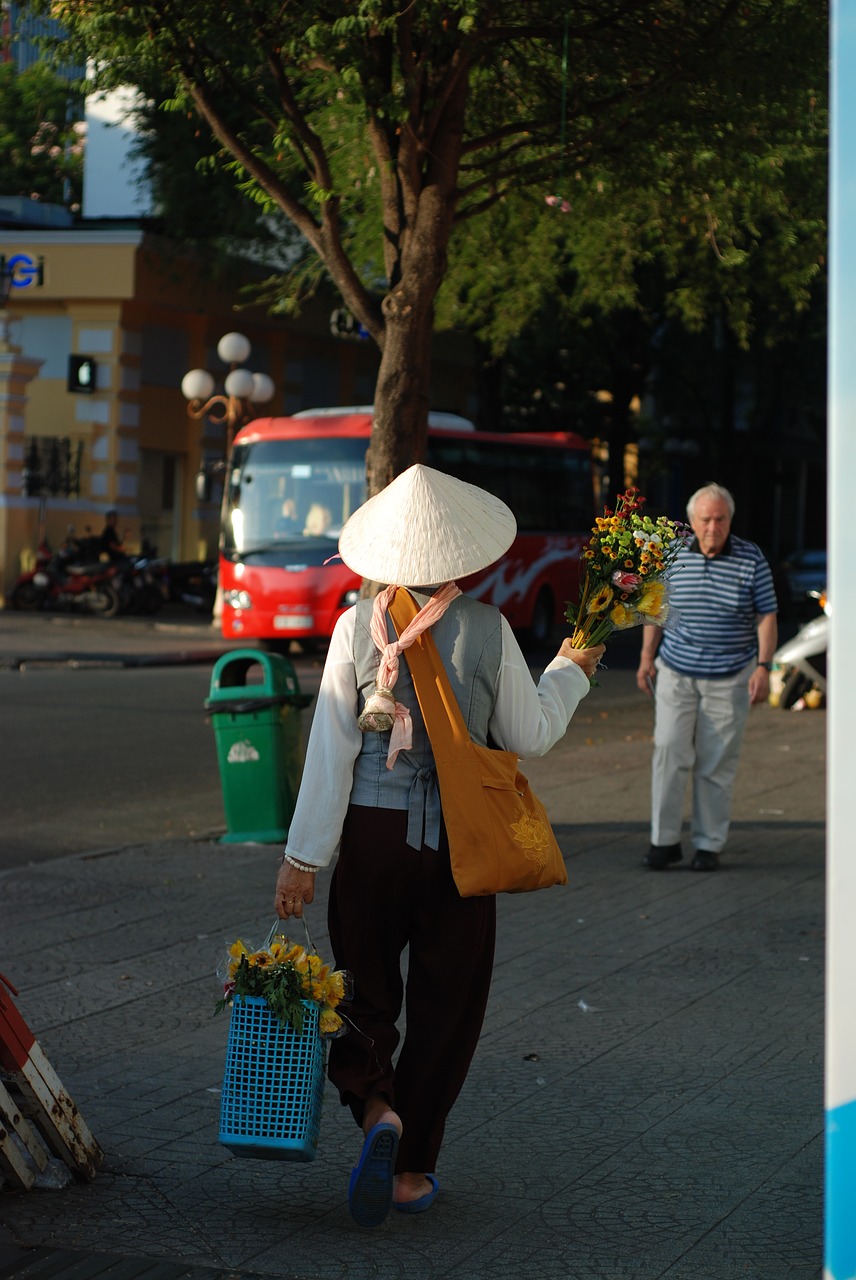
384, 897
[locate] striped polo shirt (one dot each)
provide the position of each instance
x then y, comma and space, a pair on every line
713, 608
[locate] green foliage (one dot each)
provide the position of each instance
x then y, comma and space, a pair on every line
197, 189
279, 984
720, 196
41, 140
412, 148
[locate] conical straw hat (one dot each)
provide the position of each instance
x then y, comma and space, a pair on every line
426, 528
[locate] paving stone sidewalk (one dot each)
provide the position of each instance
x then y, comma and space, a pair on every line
646, 1100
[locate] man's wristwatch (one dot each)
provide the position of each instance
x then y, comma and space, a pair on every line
768, 666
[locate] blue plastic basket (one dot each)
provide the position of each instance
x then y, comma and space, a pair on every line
270, 1107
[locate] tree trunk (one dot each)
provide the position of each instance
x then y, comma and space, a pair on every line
400, 428
420, 192
402, 392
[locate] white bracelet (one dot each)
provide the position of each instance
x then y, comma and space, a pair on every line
298, 866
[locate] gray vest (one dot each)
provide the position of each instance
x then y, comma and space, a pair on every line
469, 641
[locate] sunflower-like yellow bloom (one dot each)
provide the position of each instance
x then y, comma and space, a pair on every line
237, 951
600, 601
329, 1022
652, 600
621, 616
335, 988
314, 982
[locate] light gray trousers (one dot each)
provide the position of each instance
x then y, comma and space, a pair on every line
698, 732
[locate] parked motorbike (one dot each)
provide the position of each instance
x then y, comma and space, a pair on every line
59, 580
143, 584
194, 582
800, 664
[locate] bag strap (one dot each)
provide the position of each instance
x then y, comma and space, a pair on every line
444, 722
277, 928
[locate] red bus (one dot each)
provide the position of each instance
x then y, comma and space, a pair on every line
291, 483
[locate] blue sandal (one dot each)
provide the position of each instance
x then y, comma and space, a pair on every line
423, 1203
370, 1187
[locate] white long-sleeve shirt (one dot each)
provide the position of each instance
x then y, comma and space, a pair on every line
527, 719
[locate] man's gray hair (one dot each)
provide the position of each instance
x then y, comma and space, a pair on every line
711, 491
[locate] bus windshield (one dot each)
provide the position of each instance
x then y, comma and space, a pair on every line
287, 492
294, 482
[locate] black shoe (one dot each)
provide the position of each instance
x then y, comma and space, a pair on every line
704, 860
659, 856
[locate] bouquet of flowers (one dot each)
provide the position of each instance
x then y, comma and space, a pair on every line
622, 571
285, 975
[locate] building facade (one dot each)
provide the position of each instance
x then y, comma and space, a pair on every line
102, 323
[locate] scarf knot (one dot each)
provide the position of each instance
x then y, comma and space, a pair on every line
382, 712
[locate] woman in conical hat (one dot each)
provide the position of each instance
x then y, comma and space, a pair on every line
369, 794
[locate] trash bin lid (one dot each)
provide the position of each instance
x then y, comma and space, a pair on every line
275, 675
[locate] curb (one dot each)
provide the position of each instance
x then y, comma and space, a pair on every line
89, 660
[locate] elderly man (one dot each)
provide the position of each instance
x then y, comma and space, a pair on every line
711, 665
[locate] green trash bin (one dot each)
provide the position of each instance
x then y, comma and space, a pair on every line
259, 743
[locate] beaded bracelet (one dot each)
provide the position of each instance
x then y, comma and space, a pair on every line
298, 866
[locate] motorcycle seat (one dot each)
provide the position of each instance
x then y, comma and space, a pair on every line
80, 570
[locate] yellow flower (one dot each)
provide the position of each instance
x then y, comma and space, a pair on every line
335, 988
329, 1022
315, 980
601, 600
652, 600
621, 616
237, 951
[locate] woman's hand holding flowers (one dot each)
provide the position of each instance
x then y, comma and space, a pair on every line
588, 659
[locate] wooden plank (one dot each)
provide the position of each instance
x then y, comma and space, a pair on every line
81, 1140
12, 1118
46, 1102
56, 1116
13, 1164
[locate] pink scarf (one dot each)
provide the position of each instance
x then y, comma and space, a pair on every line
401, 736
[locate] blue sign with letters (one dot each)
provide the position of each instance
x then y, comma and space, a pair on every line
23, 270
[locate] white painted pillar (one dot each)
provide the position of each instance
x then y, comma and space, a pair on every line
840, 1223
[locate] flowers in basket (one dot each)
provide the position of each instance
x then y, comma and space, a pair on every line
623, 568
285, 975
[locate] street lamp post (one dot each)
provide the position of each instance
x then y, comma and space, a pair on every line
242, 388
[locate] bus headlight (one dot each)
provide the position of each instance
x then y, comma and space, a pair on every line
349, 598
238, 599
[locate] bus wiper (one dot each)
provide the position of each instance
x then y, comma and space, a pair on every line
291, 543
